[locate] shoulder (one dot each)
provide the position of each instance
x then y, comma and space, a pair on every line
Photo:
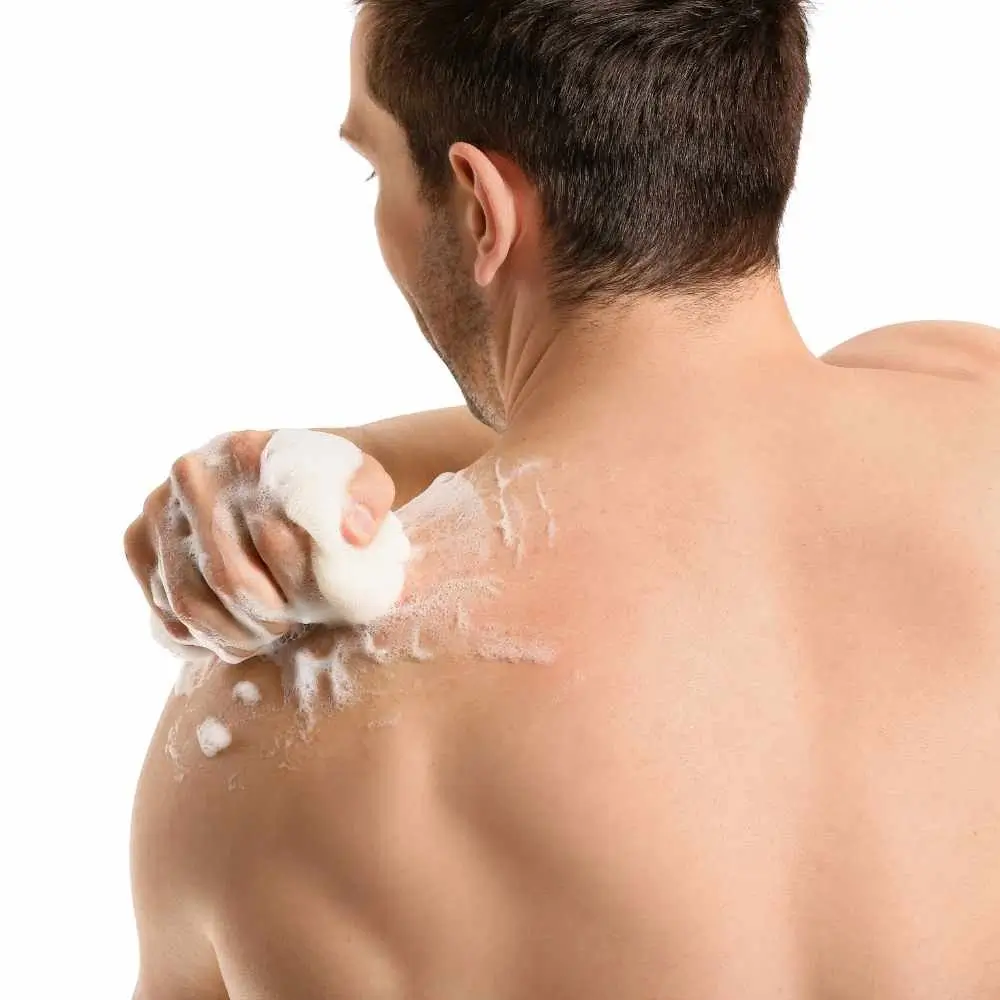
341, 726
946, 348
238, 790
235, 758
179, 822
229, 747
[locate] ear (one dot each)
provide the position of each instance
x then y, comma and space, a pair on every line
489, 208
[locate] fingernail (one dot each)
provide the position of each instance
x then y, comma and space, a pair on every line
361, 521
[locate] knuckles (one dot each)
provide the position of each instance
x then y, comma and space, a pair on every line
183, 471
246, 448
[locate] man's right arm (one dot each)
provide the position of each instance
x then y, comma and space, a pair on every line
417, 448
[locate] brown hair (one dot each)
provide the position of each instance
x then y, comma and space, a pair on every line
662, 135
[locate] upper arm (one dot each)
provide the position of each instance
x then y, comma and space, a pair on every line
417, 448
966, 351
176, 958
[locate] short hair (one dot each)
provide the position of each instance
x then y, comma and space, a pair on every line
662, 136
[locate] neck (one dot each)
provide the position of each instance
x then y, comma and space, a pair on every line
655, 364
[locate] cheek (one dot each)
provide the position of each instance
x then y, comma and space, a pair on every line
398, 231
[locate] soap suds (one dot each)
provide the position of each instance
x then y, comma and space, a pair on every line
452, 541
506, 530
216, 454
512, 649
246, 692
417, 652
392, 720
449, 529
172, 751
453, 513
518, 508
342, 683
371, 650
213, 737
550, 528
192, 673
307, 671
513, 537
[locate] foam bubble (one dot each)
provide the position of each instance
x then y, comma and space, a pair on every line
213, 736
246, 692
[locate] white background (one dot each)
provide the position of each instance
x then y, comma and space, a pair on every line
186, 248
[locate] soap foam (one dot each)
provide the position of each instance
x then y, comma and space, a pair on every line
496, 645
213, 737
246, 692
171, 749
450, 541
550, 528
449, 529
453, 513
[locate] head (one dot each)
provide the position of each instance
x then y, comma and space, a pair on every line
584, 153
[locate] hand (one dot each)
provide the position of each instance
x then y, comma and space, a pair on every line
220, 567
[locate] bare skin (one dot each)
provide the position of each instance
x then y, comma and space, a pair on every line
763, 763
761, 760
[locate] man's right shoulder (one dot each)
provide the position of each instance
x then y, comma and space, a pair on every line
946, 348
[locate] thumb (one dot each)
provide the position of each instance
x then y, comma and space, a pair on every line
371, 492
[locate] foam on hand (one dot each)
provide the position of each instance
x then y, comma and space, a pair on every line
307, 473
195, 656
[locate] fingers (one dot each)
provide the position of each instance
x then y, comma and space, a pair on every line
140, 552
373, 492
285, 549
225, 555
245, 449
188, 594
215, 571
221, 566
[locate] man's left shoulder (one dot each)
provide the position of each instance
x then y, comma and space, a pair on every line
946, 348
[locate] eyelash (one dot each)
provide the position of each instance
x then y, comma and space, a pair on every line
367, 179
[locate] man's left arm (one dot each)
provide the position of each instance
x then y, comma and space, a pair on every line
947, 349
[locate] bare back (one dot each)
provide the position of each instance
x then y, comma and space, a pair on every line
763, 761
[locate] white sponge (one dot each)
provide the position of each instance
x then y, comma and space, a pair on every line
307, 473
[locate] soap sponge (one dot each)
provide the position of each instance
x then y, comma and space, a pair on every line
306, 473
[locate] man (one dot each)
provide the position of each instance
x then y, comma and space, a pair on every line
741, 736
